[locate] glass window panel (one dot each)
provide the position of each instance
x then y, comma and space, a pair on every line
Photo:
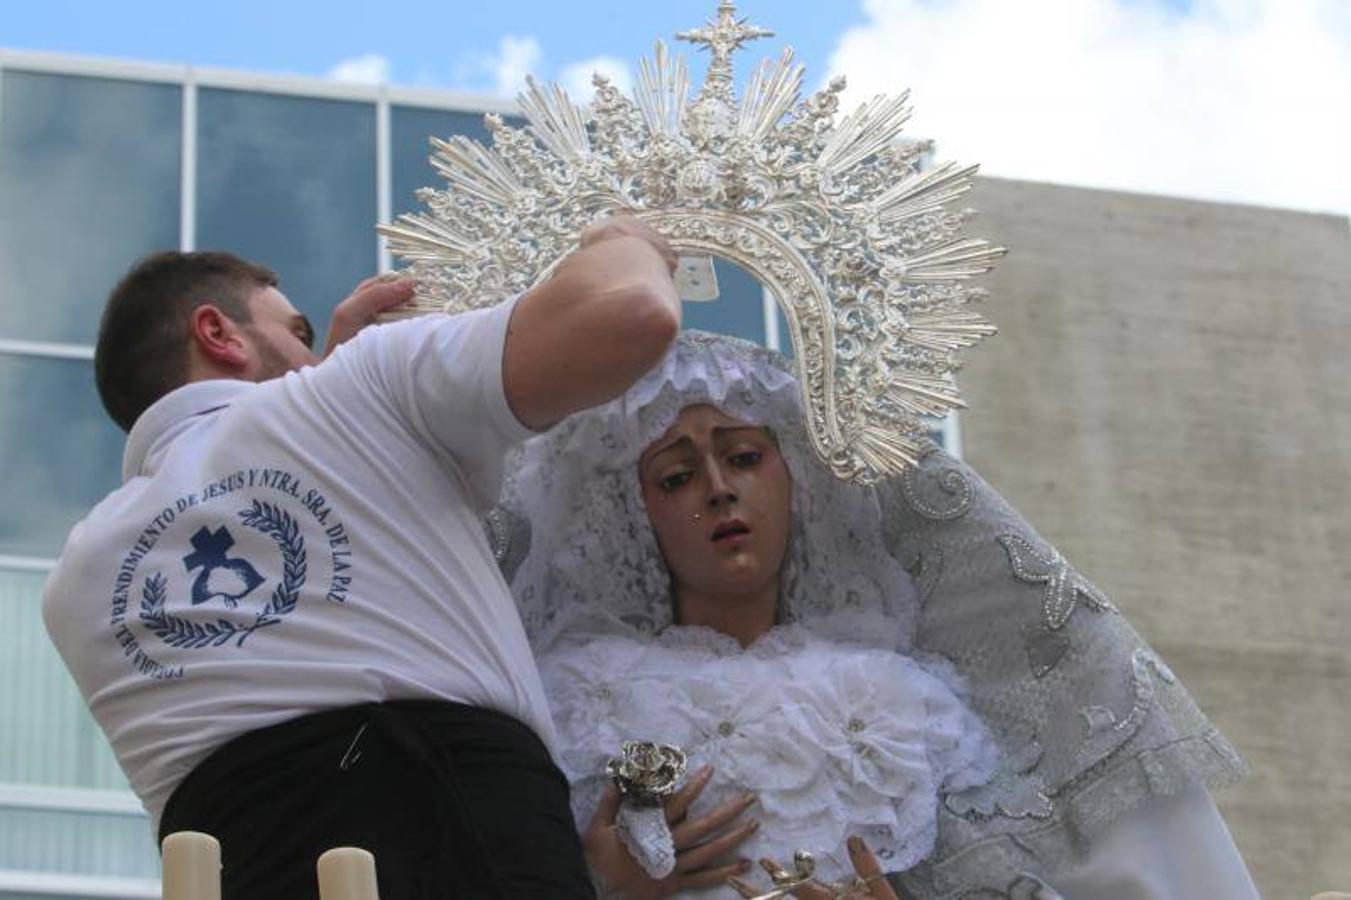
58, 449
739, 309
290, 182
938, 434
410, 130
100, 893
47, 736
785, 338
89, 178
74, 843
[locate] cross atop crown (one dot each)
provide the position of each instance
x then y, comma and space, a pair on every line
722, 36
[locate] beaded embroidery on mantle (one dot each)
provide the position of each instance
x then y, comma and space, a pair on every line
836, 217
1092, 721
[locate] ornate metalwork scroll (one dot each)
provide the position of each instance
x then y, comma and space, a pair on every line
834, 214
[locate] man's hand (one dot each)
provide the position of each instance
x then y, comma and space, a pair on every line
701, 844
626, 225
372, 297
581, 338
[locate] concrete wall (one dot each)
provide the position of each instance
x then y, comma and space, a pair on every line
1169, 401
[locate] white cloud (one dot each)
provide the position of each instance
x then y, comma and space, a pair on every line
372, 68
1236, 100
516, 58
576, 78
502, 71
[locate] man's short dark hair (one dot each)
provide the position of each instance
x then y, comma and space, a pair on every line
142, 351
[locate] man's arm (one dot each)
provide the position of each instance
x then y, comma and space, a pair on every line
605, 318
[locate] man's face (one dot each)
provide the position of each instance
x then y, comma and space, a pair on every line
280, 339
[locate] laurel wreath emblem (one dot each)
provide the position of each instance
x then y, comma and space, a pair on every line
175, 631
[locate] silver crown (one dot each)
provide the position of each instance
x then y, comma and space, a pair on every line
837, 219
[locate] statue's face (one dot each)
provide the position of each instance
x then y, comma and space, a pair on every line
719, 497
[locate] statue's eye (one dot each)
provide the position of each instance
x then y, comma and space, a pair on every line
671, 482
747, 459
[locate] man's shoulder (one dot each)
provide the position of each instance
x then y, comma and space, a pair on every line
106, 516
88, 545
418, 326
400, 345
379, 344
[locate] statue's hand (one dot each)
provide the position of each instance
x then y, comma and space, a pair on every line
701, 844
870, 883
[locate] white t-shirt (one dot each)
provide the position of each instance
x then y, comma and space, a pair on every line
306, 543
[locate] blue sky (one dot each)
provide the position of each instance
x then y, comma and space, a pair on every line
1231, 100
425, 42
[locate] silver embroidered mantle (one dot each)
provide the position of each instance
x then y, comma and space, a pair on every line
1093, 722
1090, 721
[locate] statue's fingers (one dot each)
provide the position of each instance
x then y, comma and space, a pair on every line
743, 887
700, 856
706, 878
693, 831
678, 804
869, 870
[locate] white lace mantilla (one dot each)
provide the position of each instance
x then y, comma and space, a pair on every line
594, 563
834, 739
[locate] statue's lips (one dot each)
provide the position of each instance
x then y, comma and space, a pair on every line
729, 529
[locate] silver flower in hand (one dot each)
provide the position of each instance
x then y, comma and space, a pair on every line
646, 772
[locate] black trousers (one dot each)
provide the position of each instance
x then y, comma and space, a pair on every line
454, 801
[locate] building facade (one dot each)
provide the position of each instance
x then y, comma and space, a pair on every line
1169, 402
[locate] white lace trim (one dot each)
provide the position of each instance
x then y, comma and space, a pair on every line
834, 739
644, 831
593, 563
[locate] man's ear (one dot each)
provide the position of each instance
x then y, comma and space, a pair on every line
217, 338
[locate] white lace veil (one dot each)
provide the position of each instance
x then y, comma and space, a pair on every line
595, 596
593, 562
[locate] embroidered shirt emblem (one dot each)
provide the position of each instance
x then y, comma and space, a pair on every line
230, 580
237, 585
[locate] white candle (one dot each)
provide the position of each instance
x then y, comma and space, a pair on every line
191, 866
347, 873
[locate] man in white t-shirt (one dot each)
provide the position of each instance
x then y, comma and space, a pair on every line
288, 620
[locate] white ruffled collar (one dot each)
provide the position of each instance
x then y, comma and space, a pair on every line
834, 739
777, 641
